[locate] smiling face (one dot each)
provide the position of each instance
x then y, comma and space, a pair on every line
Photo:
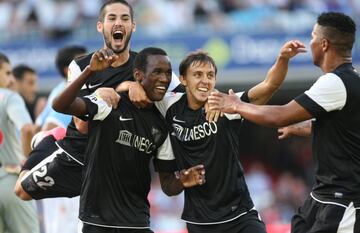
157, 76
116, 26
199, 81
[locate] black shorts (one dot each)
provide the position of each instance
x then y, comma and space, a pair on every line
58, 175
325, 216
247, 223
87, 228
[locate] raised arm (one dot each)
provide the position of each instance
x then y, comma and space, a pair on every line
172, 184
262, 92
67, 102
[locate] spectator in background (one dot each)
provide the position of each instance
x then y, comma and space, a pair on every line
27, 86
16, 216
49, 118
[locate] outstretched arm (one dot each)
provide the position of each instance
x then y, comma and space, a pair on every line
302, 129
262, 92
173, 185
272, 116
66, 101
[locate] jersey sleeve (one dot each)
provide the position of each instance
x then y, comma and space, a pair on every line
17, 111
175, 82
165, 159
97, 108
168, 100
74, 71
327, 94
243, 96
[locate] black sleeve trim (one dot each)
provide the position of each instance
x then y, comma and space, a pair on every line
245, 97
165, 165
180, 88
310, 105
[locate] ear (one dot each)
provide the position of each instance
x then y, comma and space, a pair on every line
138, 75
99, 26
133, 27
325, 44
183, 80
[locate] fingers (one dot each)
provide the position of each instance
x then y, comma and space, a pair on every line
109, 95
282, 133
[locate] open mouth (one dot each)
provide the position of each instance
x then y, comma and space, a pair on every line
118, 35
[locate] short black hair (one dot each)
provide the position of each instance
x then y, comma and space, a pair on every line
339, 29
109, 2
141, 60
198, 56
66, 55
4, 59
20, 70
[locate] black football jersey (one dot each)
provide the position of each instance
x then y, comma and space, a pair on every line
117, 178
334, 101
225, 195
74, 143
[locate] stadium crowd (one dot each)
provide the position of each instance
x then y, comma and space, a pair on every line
58, 18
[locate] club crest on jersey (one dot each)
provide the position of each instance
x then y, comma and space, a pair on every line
195, 133
142, 144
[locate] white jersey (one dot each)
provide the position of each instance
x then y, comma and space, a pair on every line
13, 116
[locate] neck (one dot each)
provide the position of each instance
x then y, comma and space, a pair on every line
330, 63
193, 104
122, 58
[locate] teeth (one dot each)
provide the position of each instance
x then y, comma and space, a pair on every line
161, 88
203, 89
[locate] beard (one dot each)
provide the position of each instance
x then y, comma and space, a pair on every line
126, 40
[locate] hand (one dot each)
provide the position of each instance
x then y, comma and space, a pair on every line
81, 126
192, 176
109, 95
102, 59
223, 102
284, 132
138, 96
292, 48
212, 114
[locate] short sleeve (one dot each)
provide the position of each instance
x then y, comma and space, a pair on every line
165, 159
17, 111
327, 94
97, 108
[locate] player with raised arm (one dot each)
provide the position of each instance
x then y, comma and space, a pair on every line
122, 142
333, 100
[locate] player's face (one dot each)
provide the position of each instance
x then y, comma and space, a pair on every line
28, 87
157, 77
6, 76
315, 44
199, 82
116, 27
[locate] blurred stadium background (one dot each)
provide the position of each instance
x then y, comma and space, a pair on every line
244, 37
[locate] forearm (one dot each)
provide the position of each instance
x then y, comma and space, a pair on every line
271, 115
124, 86
302, 129
66, 101
261, 93
27, 132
